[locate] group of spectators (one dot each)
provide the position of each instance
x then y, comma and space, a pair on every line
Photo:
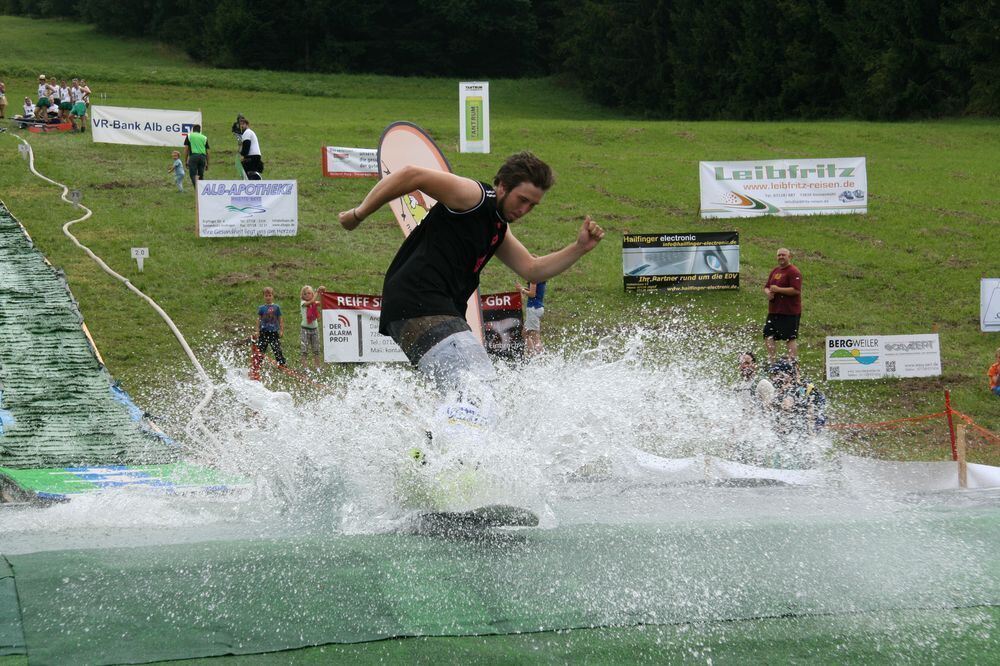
55, 102
271, 329
780, 391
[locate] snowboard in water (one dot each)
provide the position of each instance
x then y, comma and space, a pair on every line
458, 523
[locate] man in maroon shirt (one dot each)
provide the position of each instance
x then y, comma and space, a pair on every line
784, 305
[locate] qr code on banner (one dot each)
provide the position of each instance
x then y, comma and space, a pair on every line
890, 367
834, 372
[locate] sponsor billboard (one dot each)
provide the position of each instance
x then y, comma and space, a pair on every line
503, 324
350, 162
878, 356
826, 186
230, 208
694, 261
989, 305
474, 117
141, 127
350, 330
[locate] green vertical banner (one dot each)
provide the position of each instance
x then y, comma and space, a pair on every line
474, 116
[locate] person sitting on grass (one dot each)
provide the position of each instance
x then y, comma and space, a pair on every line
752, 384
994, 375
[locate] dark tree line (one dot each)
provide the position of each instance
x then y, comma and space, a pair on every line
748, 59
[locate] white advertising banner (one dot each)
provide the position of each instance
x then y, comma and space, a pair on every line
878, 356
827, 186
141, 127
350, 330
989, 305
474, 117
228, 208
350, 162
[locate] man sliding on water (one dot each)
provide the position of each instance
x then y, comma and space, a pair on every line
436, 270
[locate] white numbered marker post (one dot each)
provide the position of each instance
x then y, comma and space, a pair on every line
23, 149
139, 254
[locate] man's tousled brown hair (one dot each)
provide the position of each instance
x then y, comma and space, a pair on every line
525, 167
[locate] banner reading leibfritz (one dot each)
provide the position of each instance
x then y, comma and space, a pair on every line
827, 186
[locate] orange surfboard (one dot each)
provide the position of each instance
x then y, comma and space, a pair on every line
404, 143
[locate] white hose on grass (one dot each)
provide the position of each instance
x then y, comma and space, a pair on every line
196, 421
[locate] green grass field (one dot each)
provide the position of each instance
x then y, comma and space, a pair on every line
912, 265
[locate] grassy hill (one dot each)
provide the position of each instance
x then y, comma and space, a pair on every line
912, 265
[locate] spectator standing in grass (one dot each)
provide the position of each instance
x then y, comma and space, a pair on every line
65, 102
534, 309
178, 170
3, 100
253, 166
196, 154
270, 327
79, 108
994, 375
42, 103
310, 306
784, 305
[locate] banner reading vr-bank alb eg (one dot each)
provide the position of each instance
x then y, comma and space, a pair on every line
229, 208
828, 186
141, 127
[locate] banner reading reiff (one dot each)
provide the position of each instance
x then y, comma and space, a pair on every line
878, 356
350, 162
350, 330
695, 261
228, 208
827, 186
474, 117
141, 127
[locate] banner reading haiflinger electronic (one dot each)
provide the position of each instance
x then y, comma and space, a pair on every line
684, 261
228, 208
877, 356
350, 330
828, 186
474, 117
350, 162
503, 324
989, 305
141, 127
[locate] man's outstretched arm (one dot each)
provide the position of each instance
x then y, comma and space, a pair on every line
453, 191
540, 269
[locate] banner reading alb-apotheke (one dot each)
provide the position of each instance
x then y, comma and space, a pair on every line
233, 208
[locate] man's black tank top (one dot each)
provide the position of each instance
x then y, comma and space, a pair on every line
437, 268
